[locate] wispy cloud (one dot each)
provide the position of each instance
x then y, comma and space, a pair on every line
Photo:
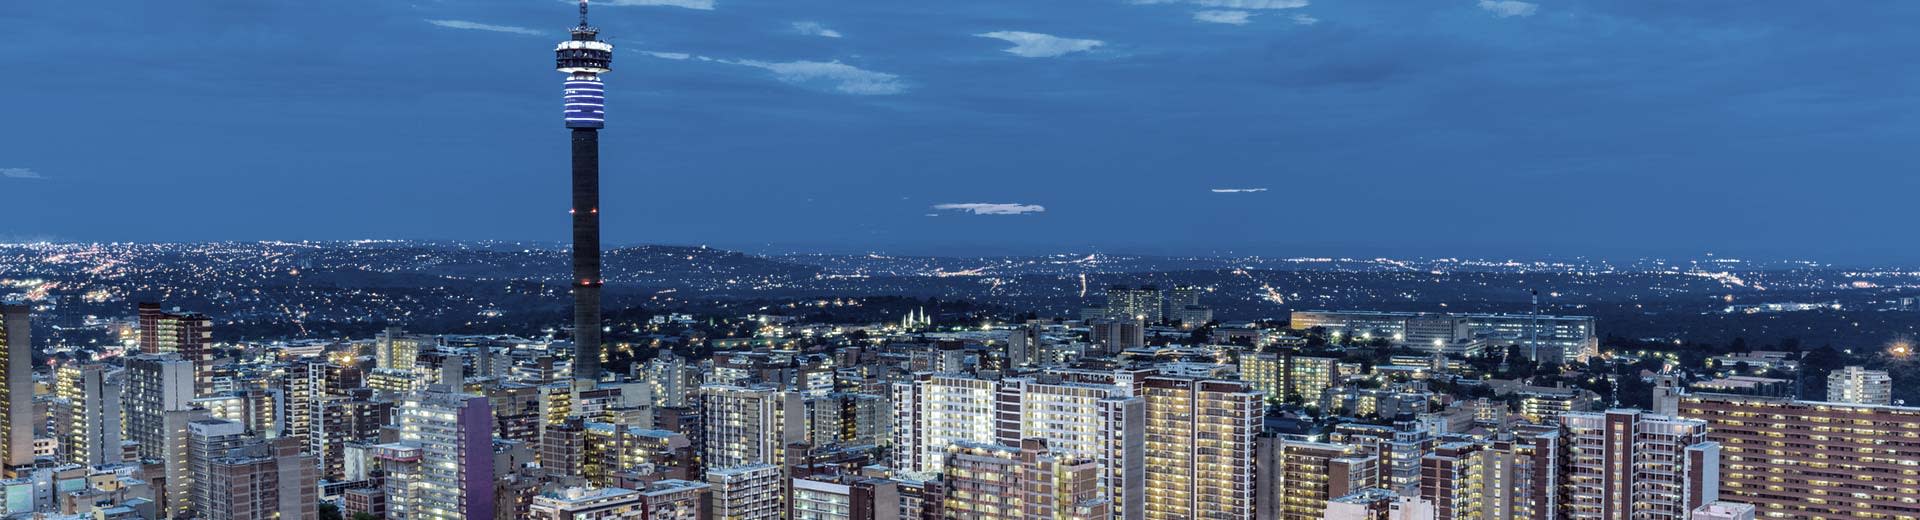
1233, 4
832, 75
1226, 17
668, 55
984, 208
1239, 190
840, 76
1304, 19
1037, 45
815, 29
703, 5
1509, 8
477, 26
20, 173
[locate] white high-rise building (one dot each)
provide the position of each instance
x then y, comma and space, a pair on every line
1625, 464
749, 425
454, 477
751, 492
1856, 385
671, 378
86, 412
1724, 511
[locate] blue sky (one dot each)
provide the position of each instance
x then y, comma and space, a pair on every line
1433, 127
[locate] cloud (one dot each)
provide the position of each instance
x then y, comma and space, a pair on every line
1239, 190
703, 5
20, 173
1226, 17
1036, 45
837, 76
983, 208
477, 26
668, 55
1233, 4
1509, 8
842, 77
1304, 19
815, 29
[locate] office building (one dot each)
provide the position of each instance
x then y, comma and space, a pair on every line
1856, 385
1113, 335
1629, 464
1135, 304
1200, 447
1555, 339
155, 384
1799, 459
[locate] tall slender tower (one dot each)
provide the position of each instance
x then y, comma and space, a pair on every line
583, 59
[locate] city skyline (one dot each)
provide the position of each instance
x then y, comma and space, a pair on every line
994, 260
1156, 127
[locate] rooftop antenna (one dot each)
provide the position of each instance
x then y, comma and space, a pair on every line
583, 13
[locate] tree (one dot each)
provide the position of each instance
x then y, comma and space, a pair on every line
328, 511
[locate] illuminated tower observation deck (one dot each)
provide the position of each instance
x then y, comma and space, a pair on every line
583, 59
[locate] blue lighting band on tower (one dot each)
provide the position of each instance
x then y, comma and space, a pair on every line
586, 102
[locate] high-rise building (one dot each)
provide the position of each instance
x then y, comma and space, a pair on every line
1724, 511
156, 384
1098, 421
750, 492
584, 58
1140, 304
1522, 475
188, 334
1398, 447
1856, 385
1286, 377
578, 503
844, 497
454, 479
1113, 335
16, 385
992, 482
208, 439
86, 412
749, 425
1200, 448
262, 481
1453, 478
1627, 464
1810, 460
1296, 479
672, 380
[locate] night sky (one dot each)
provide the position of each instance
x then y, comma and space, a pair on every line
1471, 128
